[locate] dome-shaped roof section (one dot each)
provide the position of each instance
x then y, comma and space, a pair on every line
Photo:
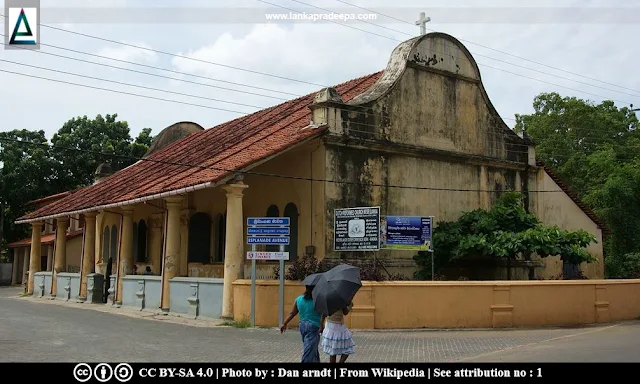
103, 169
172, 134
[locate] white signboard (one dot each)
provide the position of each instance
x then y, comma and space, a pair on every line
267, 255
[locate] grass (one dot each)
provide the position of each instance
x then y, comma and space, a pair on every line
242, 323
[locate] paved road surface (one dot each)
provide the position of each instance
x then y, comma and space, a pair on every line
39, 331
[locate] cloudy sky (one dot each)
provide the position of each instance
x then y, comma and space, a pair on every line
595, 43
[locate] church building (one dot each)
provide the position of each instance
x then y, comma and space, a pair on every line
420, 138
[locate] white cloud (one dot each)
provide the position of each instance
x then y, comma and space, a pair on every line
322, 53
315, 53
129, 53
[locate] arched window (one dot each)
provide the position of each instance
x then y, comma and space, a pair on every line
140, 236
291, 211
220, 238
199, 238
105, 244
114, 243
273, 211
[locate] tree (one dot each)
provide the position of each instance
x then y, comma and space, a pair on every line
31, 169
596, 150
93, 142
504, 232
26, 174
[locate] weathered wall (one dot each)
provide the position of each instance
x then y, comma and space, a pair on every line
468, 304
6, 270
429, 124
555, 208
298, 165
74, 252
431, 127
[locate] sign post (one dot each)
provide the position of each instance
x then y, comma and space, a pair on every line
267, 231
409, 233
356, 229
281, 290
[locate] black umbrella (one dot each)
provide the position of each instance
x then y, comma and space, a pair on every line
311, 279
336, 288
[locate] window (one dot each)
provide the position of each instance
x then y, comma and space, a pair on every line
140, 241
105, 244
135, 242
114, 243
273, 211
291, 211
199, 238
220, 238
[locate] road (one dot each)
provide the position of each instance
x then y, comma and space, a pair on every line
34, 330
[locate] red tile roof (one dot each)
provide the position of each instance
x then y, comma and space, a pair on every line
233, 145
47, 199
46, 239
574, 196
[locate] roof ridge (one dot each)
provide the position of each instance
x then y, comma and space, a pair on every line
574, 196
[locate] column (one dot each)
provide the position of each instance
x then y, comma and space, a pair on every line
234, 244
36, 250
25, 264
49, 258
172, 254
155, 242
16, 266
60, 264
126, 250
89, 249
183, 269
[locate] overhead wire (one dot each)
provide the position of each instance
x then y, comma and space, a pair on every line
264, 174
447, 45
350, 129
495, 50
291, 79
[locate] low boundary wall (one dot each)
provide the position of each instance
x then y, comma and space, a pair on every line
462, 304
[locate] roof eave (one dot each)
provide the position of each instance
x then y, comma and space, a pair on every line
211, 184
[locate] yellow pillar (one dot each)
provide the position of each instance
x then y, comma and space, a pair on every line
126, 250
25, 263
60, 262
89, 247
172, 254
36, 249
234, 244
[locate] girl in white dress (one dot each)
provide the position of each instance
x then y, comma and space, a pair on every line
336, 337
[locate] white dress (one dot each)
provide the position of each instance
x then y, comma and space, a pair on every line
336, 337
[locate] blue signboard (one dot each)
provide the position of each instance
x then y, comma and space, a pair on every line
268, 221
268, 240
268, 231
406, 233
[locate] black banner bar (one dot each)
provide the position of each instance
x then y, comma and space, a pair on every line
207, 372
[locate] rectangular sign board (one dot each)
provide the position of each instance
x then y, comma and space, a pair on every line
268, 231
406, 233
267, 255
356, 229
268, 240
268, 221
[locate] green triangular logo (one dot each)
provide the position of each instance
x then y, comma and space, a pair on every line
22, 19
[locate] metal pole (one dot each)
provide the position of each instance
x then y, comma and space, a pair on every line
432, 270
433, 254
281, 291
253, 288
